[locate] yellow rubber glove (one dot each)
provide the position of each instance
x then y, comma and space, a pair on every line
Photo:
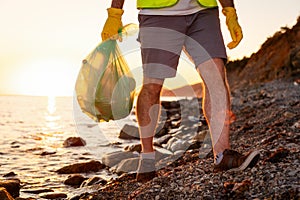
233, 26
112, 24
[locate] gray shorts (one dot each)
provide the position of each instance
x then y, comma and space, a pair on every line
163, 38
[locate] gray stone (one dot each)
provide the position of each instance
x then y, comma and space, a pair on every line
175, 144
128, 166
129, 132
111, 159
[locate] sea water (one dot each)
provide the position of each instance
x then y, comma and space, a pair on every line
32, 132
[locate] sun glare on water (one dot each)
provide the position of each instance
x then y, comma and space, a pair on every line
46, 78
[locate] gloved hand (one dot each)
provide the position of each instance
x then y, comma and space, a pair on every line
113, 24
233, 26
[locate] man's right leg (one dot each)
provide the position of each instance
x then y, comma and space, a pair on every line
148, 110
162, 39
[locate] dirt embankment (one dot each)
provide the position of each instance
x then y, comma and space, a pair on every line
278, 57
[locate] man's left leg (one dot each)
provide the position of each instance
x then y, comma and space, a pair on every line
216, 106
216, 103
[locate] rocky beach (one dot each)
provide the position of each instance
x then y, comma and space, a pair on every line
266, 104
268, 119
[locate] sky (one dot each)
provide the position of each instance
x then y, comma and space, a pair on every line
42, 42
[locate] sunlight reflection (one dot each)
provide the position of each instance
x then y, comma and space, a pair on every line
51, 108
51, 118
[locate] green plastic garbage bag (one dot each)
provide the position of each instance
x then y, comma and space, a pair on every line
105, 87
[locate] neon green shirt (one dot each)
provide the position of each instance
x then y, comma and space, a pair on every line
168, 3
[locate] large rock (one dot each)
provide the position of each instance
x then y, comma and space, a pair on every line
75, 180
4, 195
12, 187
74, 142
92, 166
129, 132
130, 165
111, 159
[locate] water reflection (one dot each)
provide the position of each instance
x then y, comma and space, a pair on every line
51, 107
52, 119
52, 131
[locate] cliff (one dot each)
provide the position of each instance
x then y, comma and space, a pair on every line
278, 57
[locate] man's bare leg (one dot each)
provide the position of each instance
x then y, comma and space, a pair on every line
216, 102
148, 110
216, 106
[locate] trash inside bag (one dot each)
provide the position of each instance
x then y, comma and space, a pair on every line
105, 87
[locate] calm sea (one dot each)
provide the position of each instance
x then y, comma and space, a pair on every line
31, 127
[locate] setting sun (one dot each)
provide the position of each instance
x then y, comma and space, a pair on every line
47, 77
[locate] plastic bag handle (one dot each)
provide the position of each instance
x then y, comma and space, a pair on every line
128, 29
